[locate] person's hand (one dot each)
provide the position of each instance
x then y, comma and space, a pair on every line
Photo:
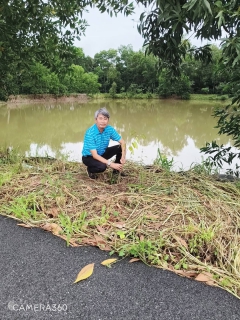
116, 166
123, 160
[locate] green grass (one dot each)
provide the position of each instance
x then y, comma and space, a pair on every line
185, 222
207, 97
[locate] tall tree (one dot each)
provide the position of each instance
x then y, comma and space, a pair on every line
104, 67
163, 26
40, 29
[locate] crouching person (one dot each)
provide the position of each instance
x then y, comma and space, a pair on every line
96, 151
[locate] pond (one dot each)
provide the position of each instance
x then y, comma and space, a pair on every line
176, 128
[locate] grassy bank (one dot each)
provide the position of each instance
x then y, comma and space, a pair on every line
125, 95
199, 97
207, 97
102, 96
187, 223
30, 98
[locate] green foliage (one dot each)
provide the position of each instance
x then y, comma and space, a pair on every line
163, 27
163, 161
133, 146
179, 86
76, 80
41, 30
113, 90
39, 79
25, 208
133, 72
206, 167
10, 156
205, 90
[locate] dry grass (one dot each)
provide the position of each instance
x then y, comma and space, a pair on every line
188, 223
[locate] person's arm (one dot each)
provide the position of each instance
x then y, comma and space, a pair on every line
116, 166
123, 145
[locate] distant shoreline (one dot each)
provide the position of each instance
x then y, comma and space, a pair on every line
32, 98
83, 98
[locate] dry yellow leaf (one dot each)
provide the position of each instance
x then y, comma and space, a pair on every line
204, 277
52, 227
24, 225
108, 261
85, 272
134, 260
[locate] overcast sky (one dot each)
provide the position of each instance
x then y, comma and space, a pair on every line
104, 32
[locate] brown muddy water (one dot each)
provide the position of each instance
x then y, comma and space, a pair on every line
177, 128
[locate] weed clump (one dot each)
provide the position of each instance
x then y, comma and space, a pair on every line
188, 223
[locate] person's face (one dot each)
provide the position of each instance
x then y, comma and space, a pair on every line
101, 122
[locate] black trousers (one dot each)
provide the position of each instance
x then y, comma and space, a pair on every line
96, 166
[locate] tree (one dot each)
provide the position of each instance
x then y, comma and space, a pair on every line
136, 69
81, 60
104, 67
38, 79
113, 90
38, 30
77, 81
181, 86
163, 28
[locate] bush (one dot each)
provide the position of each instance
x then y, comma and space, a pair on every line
205, 90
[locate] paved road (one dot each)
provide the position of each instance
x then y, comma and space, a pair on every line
37, 271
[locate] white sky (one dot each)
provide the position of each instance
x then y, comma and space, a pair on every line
104, 32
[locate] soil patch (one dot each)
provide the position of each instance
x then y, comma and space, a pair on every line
32, 98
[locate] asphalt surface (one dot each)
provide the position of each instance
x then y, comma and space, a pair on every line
38, 270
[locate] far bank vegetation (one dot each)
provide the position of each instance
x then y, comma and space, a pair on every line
122, 73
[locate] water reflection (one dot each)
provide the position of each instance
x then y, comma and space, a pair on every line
178, 128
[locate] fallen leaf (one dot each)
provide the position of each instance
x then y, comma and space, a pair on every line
108, 262
71, 242
182, 242
204, 277
101, 230
91, 242
105, 247
53, 212
120, 225
99, 239
170, 267
24, 225
188, 274
85, 273
89, 188
210, 283
52, 227
141, 237
134, 260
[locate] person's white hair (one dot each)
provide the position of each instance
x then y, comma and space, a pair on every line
102, 111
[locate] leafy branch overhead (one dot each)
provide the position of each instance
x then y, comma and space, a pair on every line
38, 31
165, 23
42, 28
164, 27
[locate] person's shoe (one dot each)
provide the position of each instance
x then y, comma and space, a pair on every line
122, 174
91, 174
